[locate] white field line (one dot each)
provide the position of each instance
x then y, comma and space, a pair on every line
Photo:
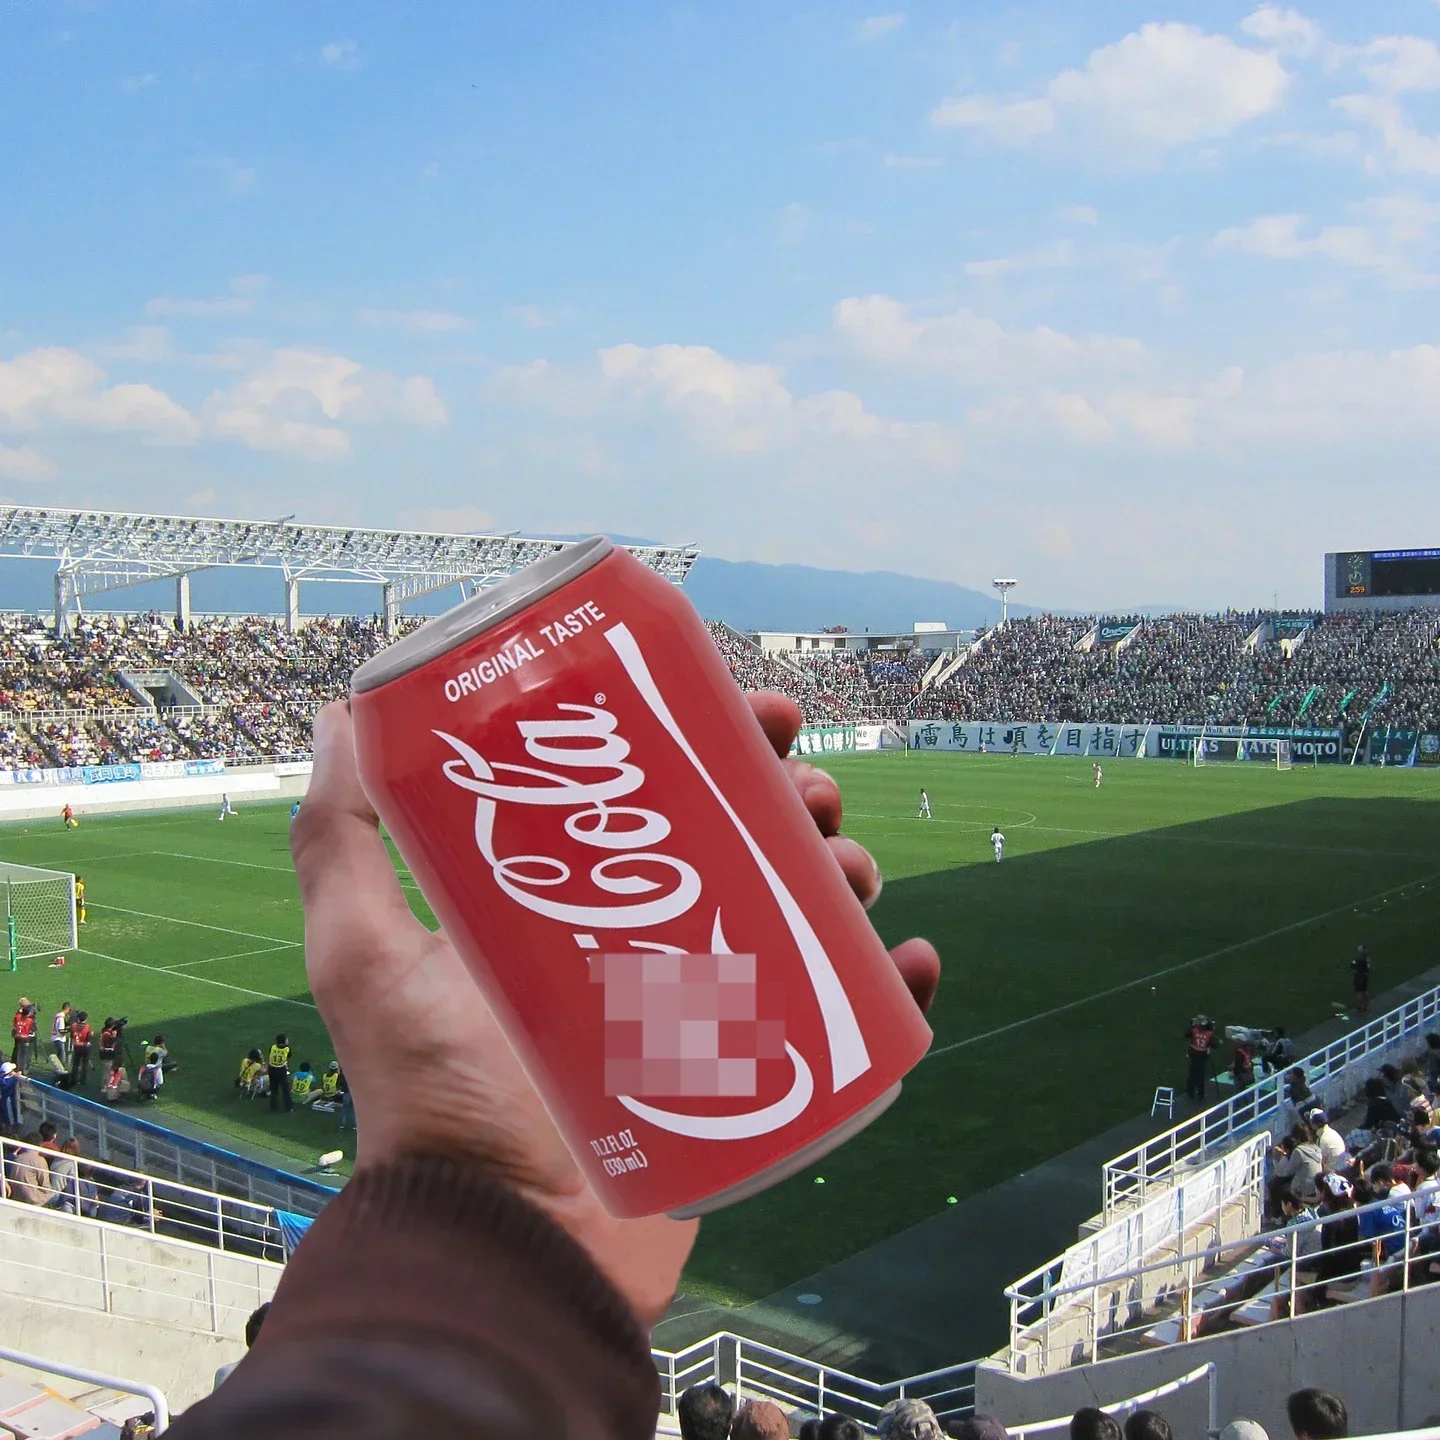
1175, 969
238, 955
402, 874
198, 925
199, 979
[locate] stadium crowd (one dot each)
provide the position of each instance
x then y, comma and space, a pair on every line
709, 1412
256, 684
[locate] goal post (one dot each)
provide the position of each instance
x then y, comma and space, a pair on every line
1282, 755
1197, 751
39, 911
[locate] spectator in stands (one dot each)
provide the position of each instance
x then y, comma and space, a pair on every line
1297, 1095
9, 1096
252, 1333
1329, 1139
1296, 1165
1383, 1228
1342, 1252
704, 1412
1148, 1425
842, 1427
28, 1173
464, 1191
72, 1184
1281, 1051
908, 1420
1432, 1060
1398, 1093
977, 1427
1380, 1109
1317, 1415
1092, 1424
129, 1202
1244, 1430
1301, 1239
759, 1420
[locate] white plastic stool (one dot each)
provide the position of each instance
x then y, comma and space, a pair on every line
1164, 1100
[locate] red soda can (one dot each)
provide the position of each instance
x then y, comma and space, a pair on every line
584, 798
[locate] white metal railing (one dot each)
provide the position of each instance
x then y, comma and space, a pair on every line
1332, 1074
164, 1207
757, 1371
1099, 1265
1120, 1408
158, 1404
1276, 1277
127, 1142
100, 1267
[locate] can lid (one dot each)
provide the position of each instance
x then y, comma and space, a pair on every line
482, 612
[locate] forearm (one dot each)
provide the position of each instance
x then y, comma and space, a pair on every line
430, 1299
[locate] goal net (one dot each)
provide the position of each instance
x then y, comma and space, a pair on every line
42, 905
1282, 755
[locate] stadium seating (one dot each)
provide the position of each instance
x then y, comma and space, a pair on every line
66, 702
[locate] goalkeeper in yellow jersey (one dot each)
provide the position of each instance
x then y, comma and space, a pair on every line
80, 900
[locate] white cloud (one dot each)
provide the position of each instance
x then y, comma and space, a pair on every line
1078, 215
878, 26
418, 322
973, 349
911, 162
296, 401
25, 464
133, 84
56, 386
1401, 62
1409, 149
244, 291
1073, 416
1161, 86
532, 317
748, 408
1058, 256
1287, 30
1278, 237
340, 55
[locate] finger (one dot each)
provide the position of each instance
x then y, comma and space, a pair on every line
819, 792
779, 718
919, 967
859, 868
340, 860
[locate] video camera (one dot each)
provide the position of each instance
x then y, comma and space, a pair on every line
1256, 1038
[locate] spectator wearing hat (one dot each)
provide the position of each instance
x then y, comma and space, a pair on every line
759, 1420
1332, 1144
1244, 1430
1296, 1165
1317, 1415
908, 1420
705, 1412
977, 1427
1342, 1251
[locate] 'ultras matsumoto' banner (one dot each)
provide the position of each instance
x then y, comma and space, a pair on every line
1015, 737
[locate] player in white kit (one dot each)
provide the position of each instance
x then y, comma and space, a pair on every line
1099, 775
924, 807
997, 839
226, 808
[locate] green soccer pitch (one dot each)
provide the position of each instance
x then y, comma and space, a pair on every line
1070, 970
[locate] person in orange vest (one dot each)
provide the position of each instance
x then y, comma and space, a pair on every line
22, 1032
82, 1037
1200, 1042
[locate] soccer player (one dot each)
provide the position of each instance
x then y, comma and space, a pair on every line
226, 808
997, 839
80, 900
1099, 774
294, 809
924, 807
67, 817
1360, 967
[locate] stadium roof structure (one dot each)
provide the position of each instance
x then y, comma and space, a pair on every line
97, 551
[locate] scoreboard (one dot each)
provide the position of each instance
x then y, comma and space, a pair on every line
1382, 579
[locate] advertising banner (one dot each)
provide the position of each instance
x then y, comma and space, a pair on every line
1428, 751
1015, 737
824, 740
204, 767
161, 769
1240, 743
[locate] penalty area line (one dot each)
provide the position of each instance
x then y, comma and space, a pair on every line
199, 925
199, 979
238, 955
1175, 969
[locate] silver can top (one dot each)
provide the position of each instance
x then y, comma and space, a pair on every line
482, 612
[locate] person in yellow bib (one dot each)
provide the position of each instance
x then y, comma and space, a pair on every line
332, 1089
80, 900
302, 1084
278, 1067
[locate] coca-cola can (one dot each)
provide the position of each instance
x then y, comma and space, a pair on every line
586, 801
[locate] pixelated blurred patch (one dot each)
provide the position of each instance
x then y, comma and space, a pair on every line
687, 1025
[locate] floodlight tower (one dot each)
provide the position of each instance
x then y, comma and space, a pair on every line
1004, 587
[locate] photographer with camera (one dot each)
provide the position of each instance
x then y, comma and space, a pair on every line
22, 1032
1200, 1045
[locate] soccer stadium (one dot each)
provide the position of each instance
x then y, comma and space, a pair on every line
1203, 820
720, 720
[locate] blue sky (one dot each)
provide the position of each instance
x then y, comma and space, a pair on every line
1139, 304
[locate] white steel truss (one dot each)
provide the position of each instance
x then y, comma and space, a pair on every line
97, 551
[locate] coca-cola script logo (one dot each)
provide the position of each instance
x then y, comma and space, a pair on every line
585, 770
